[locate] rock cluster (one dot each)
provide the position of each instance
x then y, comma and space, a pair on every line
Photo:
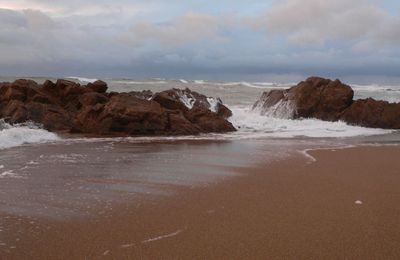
66, 106
329, 100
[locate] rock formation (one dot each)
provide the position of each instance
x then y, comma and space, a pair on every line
66, 106
328, 100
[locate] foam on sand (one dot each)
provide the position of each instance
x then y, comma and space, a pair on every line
19, 134
162, 237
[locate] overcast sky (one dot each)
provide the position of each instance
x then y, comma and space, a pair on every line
226, 39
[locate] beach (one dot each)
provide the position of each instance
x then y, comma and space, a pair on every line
199, 130
342, 205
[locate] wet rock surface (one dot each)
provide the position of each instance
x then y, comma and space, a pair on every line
66, 106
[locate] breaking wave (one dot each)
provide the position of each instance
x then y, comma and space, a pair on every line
252, 123
26, 133
83, 80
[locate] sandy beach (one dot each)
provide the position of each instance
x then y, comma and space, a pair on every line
345, 205
199, 130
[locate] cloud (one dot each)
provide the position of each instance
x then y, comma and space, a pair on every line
317, 22
186, 29
198, 39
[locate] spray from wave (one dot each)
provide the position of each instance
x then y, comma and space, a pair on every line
276, 123
26, 133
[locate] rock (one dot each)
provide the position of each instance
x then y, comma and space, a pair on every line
276, 104
314, 98
134, 116
14, 112
321, 98
144, 94
49, 87
92, 98
223, 111
209, 121
180, 125
174, 99
373, 113
8, 92
52, 117
331, 101
66, 106
185, 99
40, 98
98, 86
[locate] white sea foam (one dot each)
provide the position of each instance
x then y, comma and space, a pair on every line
375, 87
134, 82
257, 85
213, 104
252, 122
184, 81
9, 174
81, 79
378, 92
188, 100
163, 236
16, 135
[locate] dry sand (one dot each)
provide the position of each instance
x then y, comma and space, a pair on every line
286, 210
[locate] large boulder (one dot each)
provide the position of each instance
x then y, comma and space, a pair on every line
98, 86
128, 114
209, 121
186, 99
372, 113
328, 100
66, 106
315, 97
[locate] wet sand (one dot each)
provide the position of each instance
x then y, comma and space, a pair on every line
293, 209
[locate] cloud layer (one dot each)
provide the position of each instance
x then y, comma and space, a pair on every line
240, 39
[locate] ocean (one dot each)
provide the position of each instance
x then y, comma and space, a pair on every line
43, 174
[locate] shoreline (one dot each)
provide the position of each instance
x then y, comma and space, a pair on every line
290, 209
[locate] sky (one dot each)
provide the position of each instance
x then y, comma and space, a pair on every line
223, 40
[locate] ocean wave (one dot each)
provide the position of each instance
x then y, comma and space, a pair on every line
19, 134
133, 82
252, 123
257, 85
84, 80
374, 87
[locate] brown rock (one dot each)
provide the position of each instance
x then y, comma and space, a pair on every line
92, 98
178, 124
209, 121
52, 117
330, 100
185, 99
8, 92
314, 98
98, 86
223, 111
144, 94
66, 106
128, 114
373, 113
15, 112
171, 99
321, 98
270, 99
